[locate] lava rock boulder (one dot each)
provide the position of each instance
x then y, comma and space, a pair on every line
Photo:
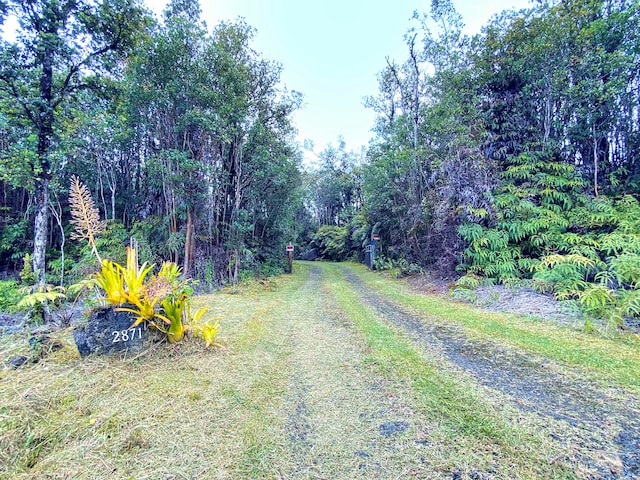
109, 332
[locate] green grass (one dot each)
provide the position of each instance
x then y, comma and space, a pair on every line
179, 411
608, 359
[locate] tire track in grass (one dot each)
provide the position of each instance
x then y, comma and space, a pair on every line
473, 437
602, 428
334, 408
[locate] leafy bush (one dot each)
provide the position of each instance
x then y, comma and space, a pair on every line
271, 268
27, 275
162, 300
332, 242
397, 268
589, 253
10, 295
37, 299
14, 235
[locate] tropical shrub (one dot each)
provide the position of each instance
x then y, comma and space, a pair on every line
38, 299
574, 247
162, 300
331, 241
397, 268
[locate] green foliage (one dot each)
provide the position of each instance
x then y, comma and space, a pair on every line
10, 295
332, 242
492, 153
41, 295
464, 287
626, 269
271, 268
546, 229
481, 151
163, 300
55, 53
186, 144
27, 275
109, 243
596, 300
469, 281
38, 299
464, 294
599, 266
397, 268
334, 186
13, 235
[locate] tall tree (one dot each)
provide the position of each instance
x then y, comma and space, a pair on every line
175, 110
60, 48
335, 186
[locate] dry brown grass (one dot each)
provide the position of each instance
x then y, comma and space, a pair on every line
162, 414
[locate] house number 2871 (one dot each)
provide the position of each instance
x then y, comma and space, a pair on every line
126, 335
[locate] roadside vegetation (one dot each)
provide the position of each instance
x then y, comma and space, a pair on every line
506, 158
510, 158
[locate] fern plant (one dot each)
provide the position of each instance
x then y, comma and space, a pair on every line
531, 215
38, 298
545, 229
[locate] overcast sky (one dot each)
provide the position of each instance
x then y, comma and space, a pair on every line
332, 50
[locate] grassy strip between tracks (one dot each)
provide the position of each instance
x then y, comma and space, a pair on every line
470, 421
607, 359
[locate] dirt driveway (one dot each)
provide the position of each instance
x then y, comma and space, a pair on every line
599, 424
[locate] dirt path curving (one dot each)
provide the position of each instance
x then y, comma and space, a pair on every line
600, 425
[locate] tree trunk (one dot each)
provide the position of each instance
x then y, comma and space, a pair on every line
595, 161
40, 229
189, 242
57, 214
45, 133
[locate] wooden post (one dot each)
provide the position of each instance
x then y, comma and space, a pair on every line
290, 255
375, 237
372, 255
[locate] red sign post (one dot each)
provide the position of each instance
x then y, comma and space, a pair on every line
290, 255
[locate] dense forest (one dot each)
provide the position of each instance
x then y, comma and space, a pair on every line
512, 156
182, 135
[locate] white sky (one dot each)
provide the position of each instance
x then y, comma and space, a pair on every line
332, 50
